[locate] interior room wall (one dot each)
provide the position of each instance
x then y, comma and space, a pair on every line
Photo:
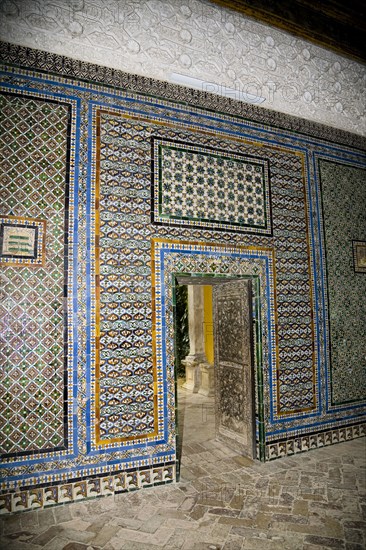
97, 155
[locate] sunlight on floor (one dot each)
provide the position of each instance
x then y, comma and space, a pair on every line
196, 420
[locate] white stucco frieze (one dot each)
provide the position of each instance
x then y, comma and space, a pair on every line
194, 38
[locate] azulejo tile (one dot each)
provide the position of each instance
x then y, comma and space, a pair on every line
344, 221
205, 187
33, 499
34, 143
129, 161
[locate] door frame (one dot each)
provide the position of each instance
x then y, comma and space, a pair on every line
183, 278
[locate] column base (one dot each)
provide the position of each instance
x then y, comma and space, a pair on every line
193, 374
207, 385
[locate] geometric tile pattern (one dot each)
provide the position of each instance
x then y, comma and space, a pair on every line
296, 373
33, 144
114, 342
124, 172
125, 388
43, 497
294, 445
344, 222
210, 188
125, 403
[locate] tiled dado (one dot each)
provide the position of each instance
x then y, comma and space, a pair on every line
304, 443
33, 499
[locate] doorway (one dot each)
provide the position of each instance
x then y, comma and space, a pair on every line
224, 417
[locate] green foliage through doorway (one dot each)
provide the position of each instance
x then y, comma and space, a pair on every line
182, 334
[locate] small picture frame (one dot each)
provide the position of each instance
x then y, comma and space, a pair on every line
359, 256
22, 241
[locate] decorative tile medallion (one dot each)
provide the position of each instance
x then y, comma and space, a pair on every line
22, 241
359, 256
204, 187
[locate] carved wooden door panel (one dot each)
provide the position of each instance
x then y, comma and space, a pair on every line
234, 379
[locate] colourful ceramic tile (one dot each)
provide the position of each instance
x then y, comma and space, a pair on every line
22, 241
344, 226
34, 145
204, 187
88, 404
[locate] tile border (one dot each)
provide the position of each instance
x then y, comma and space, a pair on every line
74, 491
316, 440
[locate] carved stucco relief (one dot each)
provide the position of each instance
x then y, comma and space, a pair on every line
156, 38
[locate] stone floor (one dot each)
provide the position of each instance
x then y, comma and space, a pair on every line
223, 501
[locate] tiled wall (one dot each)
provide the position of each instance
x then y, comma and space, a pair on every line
343, 194
208, 324
34, 144
121, 222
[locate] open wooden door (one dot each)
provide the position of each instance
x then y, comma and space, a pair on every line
234, 378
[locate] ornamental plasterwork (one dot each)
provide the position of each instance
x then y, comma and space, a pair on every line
225, 50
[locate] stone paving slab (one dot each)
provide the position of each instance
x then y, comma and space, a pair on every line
252, 507
313, 501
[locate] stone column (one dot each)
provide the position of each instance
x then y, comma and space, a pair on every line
196, 340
